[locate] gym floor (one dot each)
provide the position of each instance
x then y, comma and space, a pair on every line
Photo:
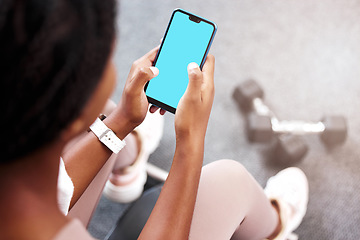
305, 55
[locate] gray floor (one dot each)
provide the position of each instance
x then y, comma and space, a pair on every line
306, 55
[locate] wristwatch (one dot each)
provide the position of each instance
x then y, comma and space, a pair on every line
106, 135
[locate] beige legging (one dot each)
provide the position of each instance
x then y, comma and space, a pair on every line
230, 203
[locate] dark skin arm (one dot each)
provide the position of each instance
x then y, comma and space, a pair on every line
89, 153
172, 214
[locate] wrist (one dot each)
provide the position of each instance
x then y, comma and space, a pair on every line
189, 158
194, 136
191, 146
107, 136
120, 125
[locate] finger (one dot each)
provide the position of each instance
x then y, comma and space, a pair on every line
162, 111
195, 79
208, 71
209, 66
147, 60
153, 108
142, 76
150, 56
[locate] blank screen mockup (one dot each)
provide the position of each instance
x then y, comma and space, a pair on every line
186, 41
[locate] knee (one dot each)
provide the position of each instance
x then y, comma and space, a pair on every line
227, 166
227, 171
228, 182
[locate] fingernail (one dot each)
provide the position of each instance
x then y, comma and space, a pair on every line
192, 65
155, 71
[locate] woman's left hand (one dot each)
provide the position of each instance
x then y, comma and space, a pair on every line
133, 106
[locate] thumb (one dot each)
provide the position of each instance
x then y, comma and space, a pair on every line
195, 78
143, 75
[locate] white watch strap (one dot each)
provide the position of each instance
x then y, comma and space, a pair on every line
107, 136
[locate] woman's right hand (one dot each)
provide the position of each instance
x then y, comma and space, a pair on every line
193, 111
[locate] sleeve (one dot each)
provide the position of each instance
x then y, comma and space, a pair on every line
65, 189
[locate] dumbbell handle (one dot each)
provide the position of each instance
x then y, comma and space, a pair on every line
294, 127
261, 109
297, 127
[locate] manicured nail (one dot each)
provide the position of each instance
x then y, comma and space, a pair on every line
155, 71
192, 65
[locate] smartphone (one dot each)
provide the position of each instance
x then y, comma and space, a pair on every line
187, 39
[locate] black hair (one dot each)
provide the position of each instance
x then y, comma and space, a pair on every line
52, 56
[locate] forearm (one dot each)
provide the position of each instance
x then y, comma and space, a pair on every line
85, 159
172, 214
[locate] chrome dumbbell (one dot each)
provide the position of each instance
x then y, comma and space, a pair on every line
263, 125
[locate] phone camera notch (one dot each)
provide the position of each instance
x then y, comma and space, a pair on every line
194, 19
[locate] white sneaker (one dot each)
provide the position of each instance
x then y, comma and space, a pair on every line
289, 191
149, 134
151, 130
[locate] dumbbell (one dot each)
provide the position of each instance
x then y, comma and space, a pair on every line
245, 94
332, 129
288, 148
262, 124
290, 145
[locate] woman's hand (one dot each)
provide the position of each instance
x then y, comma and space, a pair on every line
193, 111
133, 106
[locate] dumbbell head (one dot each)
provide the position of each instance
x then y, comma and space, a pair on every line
246, 92
335, 130
259, 128
289, 149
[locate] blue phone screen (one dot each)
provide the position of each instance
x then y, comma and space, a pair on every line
186, 41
